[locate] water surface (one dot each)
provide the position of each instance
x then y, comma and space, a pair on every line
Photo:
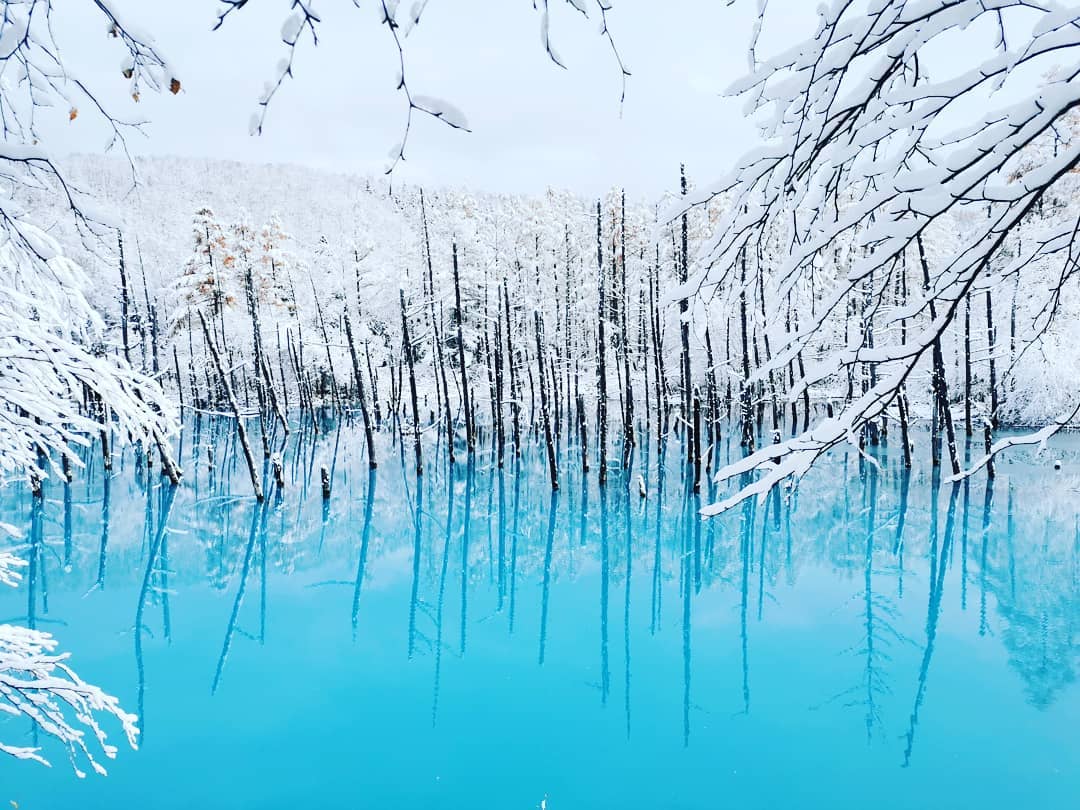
471, 640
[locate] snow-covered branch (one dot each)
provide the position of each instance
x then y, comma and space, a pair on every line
37, 683
399, 19
55, 389
870, 153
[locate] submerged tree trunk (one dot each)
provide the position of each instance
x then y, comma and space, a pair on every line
905, 435
624, 343
515, 386
407, 346
256, 341
583, 434
362, 394
500, 430
125, 299
967, 365
326, 342
991, 348
601, 351
545, 415
684, 324
240, 429
696, 449
470, 435
658, 350
940, 386
745, 401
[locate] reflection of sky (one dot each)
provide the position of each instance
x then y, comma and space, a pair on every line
777, 704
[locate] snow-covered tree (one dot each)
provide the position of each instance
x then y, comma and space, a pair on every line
46, 325
275, 260
50, 358
205, 282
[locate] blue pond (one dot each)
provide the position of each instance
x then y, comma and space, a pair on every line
470, 640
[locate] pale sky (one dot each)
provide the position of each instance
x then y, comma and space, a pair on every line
533, 124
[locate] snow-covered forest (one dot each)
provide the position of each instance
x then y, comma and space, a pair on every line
876, 262
243, 244
890, 272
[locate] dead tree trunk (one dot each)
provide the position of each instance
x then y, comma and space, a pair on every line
712, 408
659, 371
745, 401
696, 449
624, 344
991, 348
500, 430
241, 431
125, 299
515, 386
967, 365
601, 349
940, 386
684, 324
489, 361
905, 435
326, 344
179, 380
374, 378
545, 416
372, 464
583, 433
470, 435
256, 341
407, 345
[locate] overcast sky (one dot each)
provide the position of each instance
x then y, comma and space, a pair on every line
533, 124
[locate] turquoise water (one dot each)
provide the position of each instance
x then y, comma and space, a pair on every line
471, 641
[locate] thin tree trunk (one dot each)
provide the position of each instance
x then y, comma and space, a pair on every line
697, 443
515, 387
500, 429
583, 434
407, 345
256, 341
658, 350
746, 402
601, 350
372, 463
326, 344
940, 386
967, 365
991, 348
684, 325
470, 436
241, 432
374, 378
624, 343
905, 435
125, 299
545, 416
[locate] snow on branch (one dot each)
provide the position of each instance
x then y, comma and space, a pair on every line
603, 6
400, 19
1038, 438
48, 370
869, 153
8, 563
36, 682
